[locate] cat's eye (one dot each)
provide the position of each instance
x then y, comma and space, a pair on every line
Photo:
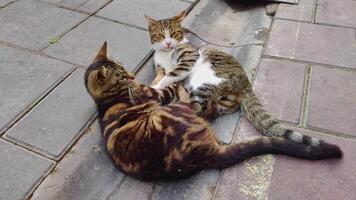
118, 75
224, 98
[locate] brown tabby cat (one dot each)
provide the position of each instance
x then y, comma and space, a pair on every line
151, 136
215, 80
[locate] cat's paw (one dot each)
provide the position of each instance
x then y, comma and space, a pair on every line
157, 87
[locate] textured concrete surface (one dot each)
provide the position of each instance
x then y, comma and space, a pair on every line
336, 13
315, 43
250, 179
328, 179
34, 76
20, 171
87, 6
133, 11
86, 172
332, 100
209, 19
81, 44
32, 23
301, 62
303, 11
279, 86
56, 121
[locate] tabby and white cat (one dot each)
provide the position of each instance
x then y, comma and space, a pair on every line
215, 80
149, 135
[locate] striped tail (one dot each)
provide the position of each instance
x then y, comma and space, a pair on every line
269, 126
229, 155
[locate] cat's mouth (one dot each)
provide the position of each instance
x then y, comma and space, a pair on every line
166, 48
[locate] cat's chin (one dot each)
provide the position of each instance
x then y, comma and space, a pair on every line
165, 49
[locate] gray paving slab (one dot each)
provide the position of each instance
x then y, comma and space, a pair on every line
52, 1
5, 2
303, 11
45, 23
24, 79
56, 121
133, 11
336, 12
86, 172
332, 100
286, 1
279, 85
132, 189
198, 187
282, 177
147, 73
88, 6
91, 6
228, 25
297, 179
20, 171
126, 44
249, 179
312, 42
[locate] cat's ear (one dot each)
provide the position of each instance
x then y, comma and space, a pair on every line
102, 54
150, 21
102, 74
180, 16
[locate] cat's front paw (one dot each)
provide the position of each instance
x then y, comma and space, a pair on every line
157, 87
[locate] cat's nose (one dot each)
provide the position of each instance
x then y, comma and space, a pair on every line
168, 42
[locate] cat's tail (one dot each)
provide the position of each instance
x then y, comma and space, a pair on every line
269, 126
229, 155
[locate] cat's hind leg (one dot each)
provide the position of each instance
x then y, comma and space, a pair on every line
183, 94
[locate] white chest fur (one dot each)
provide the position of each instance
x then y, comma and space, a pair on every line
202, 74
163, 58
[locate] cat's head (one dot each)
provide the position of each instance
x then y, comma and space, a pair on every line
166, 33
105, 77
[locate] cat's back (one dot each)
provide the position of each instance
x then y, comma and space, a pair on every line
139, 138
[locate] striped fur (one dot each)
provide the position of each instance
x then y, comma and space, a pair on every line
150, 135
218, 85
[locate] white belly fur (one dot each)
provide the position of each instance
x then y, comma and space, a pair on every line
202, 74
163, 59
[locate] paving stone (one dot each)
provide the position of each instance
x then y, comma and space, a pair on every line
332, 100
271, 8
336, 12
24, 78
86, 172
146, 73
5, 2
57, 121
87, 6
52, 1
279, 86
133, 189
198, 187
312, 42
319, 180
249, 179
46, 22
301, 12
286, 1
92, 5
209, 19
133, 11
261, 177
20, 171
82, 44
